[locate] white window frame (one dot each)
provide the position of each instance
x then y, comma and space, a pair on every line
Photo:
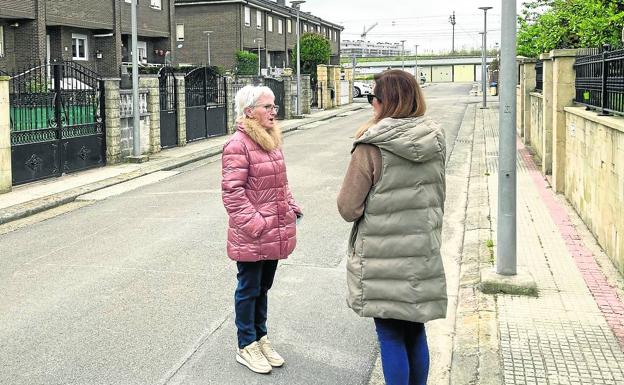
179, 32
77, 37
258, 19
318, 29
270, 23
1, 41
305, 27
156, 4
280, 27
247, 16
142, 49
334, 32
289, 26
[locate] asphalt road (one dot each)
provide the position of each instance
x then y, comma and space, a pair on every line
136, 288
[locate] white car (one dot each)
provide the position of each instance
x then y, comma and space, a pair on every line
361, 89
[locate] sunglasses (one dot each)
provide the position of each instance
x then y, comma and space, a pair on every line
370, 98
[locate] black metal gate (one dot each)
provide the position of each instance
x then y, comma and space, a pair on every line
168, 107
206, 112
57, 121
277, 86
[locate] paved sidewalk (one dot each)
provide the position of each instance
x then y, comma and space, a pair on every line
573, 332
39, 196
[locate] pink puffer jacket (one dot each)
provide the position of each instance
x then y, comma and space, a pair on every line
262, 211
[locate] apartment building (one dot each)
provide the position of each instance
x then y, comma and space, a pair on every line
95, 33
220, 28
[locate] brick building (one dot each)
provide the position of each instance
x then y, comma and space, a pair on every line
264, 26
95, 33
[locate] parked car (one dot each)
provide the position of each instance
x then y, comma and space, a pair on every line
361, 89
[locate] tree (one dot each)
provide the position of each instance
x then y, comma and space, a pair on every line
552, 24
315, 50
246, 63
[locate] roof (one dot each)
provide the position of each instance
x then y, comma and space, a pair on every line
266, 5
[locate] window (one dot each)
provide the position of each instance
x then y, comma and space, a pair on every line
289, 25
305, 28
179, 32
247, 16
1, 41
156, 4
142, 48
258, 19
79, 47
270, 23
334, 33
318, 29
280, 27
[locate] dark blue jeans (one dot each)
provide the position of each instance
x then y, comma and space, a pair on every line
251, 300
404, 351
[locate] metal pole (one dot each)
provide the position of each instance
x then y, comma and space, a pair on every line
259, 65
403, 55
417, 74
207, 33
483, 57
298, 67
506, 229
136, 128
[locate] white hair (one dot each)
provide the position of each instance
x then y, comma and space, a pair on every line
248, 97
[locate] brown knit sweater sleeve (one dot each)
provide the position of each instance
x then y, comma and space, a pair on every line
363, 173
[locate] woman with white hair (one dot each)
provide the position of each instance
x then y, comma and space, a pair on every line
262, 216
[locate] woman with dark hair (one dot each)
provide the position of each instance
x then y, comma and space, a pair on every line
394, 193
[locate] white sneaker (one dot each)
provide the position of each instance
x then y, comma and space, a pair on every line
271, 355
251, 356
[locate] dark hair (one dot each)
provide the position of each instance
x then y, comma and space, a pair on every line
400, 95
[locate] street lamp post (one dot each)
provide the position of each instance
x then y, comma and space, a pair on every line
258, 40
136, 130
297, 5
416, 73
483, 57
207, 33
403, 55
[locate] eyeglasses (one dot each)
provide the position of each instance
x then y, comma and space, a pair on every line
370, 98
269, 107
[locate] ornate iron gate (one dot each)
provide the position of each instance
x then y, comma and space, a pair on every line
168, 107
57, 121
206, 112
277, 86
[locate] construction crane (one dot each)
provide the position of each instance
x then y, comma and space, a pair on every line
363, 36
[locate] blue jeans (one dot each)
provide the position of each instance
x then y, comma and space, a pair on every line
251, 300
404, 351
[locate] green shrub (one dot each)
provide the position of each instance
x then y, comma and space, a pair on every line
246, 63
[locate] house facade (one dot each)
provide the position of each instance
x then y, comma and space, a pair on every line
95, 33
223, 27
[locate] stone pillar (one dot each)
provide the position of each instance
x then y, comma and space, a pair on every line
349, 77
289, 106
333, 84
547, 92
229, 102
564, 91
150, 83
321, 85
113, 123
6, 178
181, 109
306, 94
527, 85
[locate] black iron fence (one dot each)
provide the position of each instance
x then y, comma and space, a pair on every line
600, 80
539, 76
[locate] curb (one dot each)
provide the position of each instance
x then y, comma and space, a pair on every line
26, 209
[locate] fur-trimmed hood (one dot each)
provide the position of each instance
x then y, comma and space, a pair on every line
268, 139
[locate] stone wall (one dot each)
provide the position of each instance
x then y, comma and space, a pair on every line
594, 176
536, 123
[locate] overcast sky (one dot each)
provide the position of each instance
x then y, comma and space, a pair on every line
425, 23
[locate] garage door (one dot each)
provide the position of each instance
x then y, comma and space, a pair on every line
441, 74
464, 73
